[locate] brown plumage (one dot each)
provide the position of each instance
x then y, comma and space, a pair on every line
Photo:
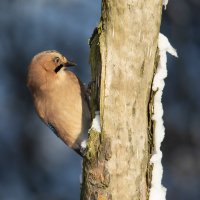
59, 97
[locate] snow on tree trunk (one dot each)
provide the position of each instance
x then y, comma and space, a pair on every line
157, 191
123, 58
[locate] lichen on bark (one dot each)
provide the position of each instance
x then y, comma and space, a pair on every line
95, 176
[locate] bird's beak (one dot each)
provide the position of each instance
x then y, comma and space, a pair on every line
70, 64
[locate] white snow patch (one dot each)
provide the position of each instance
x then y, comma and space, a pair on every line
157, 191
96, 122
84, 144
95, 126
165, 2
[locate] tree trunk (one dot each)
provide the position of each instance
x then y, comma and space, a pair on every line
123, 60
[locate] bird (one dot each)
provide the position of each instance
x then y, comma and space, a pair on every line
60, 98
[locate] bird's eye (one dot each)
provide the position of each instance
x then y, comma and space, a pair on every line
59, 64
56, 60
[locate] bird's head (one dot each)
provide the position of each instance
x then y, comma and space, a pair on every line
45, 66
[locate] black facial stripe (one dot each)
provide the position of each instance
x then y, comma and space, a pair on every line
58, 68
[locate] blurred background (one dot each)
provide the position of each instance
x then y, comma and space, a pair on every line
34, 163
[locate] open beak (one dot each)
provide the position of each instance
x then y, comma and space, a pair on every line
70, 64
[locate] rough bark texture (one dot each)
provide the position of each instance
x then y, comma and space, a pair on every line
123, 53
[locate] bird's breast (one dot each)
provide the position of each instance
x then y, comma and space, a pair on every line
67, 111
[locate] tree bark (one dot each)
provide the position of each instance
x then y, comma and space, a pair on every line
123, 60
